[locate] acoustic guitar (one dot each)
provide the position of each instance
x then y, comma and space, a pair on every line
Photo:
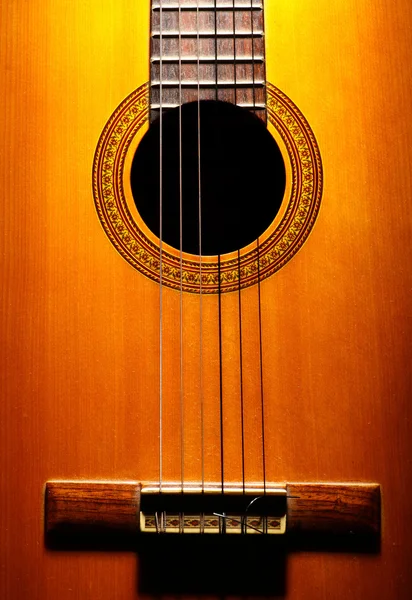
205, 328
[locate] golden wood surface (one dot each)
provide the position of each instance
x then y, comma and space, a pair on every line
79, 327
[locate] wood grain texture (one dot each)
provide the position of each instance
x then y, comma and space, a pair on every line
334, 508
80, 328
109, 506
76, 507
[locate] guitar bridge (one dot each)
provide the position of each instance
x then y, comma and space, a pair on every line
206, 511
133, 508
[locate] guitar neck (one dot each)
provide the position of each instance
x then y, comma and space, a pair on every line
207, 50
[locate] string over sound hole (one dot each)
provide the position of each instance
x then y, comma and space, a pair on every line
241, 179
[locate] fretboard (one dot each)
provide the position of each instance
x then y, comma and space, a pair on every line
207, 50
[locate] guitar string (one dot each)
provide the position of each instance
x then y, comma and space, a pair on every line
262, 394
182, 425
239, 290
253, 56
161, 253
234, 53
222, 465
242, 421
200, 264
262, 391
216, 56
202, 424
222, 522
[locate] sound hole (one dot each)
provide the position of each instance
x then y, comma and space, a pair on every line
242, 178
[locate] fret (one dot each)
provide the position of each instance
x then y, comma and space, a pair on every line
208, 50
246, 97
209, 83
246, 21
227, 47
207, 5
208, 59
249, 105
207, 34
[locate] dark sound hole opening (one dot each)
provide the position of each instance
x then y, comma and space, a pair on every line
242, 178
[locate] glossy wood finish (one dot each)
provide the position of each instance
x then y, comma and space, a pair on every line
72, 507
78, 333
108, 506
334, 508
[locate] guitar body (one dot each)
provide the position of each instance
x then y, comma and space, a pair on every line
80, 326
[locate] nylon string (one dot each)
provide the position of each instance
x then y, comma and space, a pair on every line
262, 395
222, 465
202, 415
234, 52
161, 258
161, 316
216, 56
253, 55
202, 425
222, 521
241, 378
182, 449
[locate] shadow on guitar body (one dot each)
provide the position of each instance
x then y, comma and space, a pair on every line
218, 566
235, 565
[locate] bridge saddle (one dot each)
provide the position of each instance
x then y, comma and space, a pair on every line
249, 510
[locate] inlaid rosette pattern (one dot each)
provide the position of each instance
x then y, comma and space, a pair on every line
277, 245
